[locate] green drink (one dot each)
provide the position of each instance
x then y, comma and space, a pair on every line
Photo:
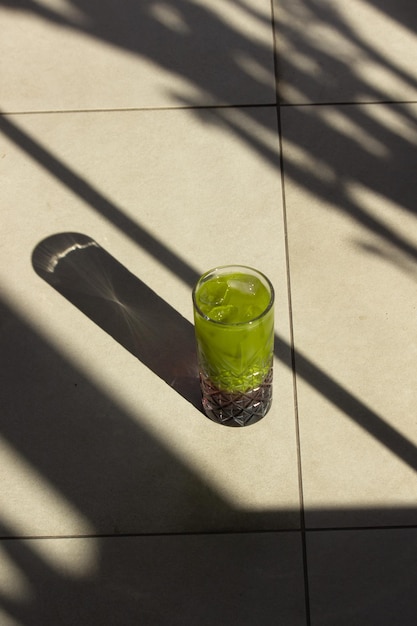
234, 326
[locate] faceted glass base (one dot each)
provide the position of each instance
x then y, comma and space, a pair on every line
236, 409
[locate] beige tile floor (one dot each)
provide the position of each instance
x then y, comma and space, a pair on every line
142, 143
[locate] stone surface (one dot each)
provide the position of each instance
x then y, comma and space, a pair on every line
141, 145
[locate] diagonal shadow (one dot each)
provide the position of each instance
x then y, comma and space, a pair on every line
350, 406
356, 410
41, 445
147, 510
392, 178
136, 317
98, 202
126, 483
335, 68
201, 34
113, 475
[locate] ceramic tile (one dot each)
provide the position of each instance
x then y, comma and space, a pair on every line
101, 430
175, 580
333, 51
362, 577
60, 55
350, 189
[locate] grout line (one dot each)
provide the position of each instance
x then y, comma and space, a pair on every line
291, 327
294, 379
361, 528
144, 109
282, 531
284, 213
161, 534
343, 103
257, 105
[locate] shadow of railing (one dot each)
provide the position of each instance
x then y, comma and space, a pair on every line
88, 447
154, 332
352, 407
97, 201
85, 448
159, 533
238, 67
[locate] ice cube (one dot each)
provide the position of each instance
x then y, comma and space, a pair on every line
246, 285
213, 293
226, 314
252, 312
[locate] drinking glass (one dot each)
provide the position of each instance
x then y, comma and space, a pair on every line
234, 327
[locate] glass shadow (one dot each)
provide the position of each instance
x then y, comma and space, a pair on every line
124, 306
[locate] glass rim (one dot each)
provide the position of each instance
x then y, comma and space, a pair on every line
241, 267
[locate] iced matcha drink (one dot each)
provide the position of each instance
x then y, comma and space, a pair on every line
234, 326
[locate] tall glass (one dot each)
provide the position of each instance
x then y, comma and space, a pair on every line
234, 327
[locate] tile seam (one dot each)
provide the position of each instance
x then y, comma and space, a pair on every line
347, 103
294, 382
142, 109
279, 531
307, 604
